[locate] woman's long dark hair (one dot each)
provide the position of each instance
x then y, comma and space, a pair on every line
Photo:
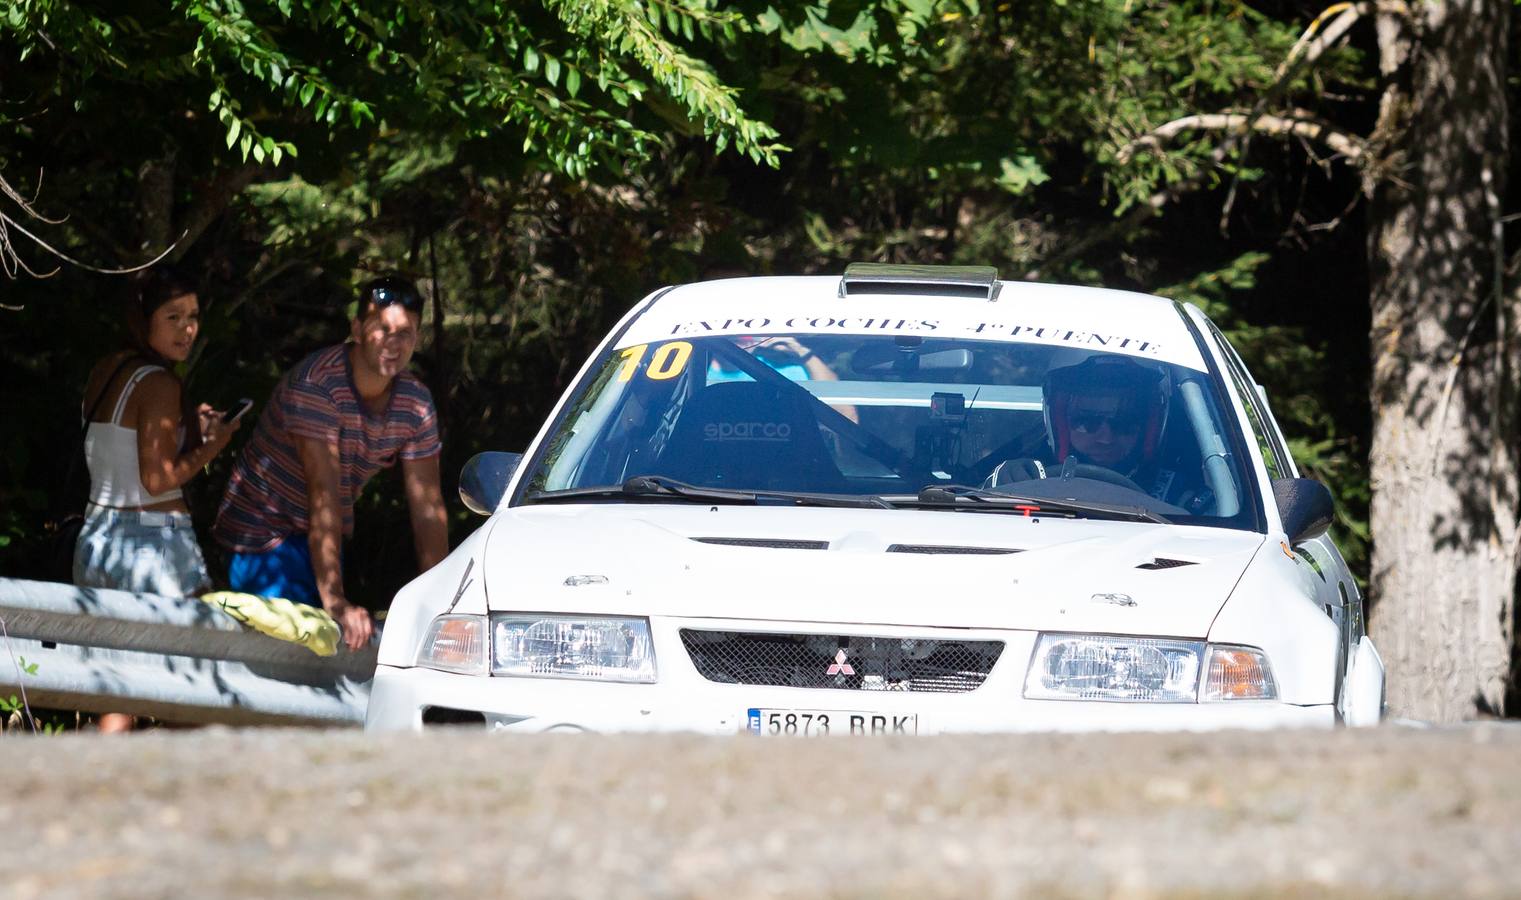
162, 284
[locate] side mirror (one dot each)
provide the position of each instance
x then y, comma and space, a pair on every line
483, 480
1305, 506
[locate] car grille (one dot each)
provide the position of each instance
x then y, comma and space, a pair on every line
842, 662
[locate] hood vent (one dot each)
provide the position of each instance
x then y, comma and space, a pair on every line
765, 543
947, 548
1162, 562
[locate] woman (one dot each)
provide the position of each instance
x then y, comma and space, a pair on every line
142, 444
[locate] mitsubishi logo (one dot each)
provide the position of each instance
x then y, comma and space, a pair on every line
840, 666
1116, 599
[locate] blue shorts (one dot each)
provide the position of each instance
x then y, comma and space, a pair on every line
282, 571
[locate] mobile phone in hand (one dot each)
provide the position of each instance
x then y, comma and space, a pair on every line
238, 409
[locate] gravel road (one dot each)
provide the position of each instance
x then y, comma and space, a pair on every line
260, 813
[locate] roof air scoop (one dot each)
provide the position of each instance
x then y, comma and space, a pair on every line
887, 278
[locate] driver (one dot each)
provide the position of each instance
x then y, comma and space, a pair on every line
1107, 411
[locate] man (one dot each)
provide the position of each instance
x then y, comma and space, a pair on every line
1107, 412
341, 415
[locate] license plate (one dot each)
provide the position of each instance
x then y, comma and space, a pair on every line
827, 722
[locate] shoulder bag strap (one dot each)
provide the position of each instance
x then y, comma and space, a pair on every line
73, 472
105, 388
127, 389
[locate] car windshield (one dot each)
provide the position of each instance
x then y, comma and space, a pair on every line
901, 421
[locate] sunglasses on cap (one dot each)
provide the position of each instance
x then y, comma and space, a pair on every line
1119, 423
385, 292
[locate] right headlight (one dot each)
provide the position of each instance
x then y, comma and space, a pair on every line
1145, 670
603, 648
1104, 667
1238, 673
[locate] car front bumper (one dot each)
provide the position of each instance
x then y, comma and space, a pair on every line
682, 700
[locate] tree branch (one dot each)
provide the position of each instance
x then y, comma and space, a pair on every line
1310, 47
155, 202
210, 203
28, 206
1299, 123
11, 262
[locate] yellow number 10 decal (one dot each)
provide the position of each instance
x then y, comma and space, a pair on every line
668, 362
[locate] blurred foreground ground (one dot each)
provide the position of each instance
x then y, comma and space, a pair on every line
1392, 812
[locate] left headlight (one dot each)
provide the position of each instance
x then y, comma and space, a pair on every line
604, 648
1155, 670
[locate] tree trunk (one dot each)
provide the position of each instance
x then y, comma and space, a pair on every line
1443, 458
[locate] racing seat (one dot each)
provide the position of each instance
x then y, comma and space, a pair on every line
747, 435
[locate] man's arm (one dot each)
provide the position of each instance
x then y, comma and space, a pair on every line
319, 462
425, 502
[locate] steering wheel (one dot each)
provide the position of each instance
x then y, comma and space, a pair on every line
1026, 443
1099, 473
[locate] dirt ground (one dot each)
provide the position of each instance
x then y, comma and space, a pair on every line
1393, 812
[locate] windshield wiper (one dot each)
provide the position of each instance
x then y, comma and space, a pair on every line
660, 487
964, 497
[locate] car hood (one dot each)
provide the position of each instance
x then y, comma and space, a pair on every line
874, 567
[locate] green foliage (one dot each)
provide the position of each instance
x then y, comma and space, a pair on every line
14, 709
542, 165
570, 80
1164, 61
692, 84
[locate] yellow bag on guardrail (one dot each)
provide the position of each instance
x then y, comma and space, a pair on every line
277, 617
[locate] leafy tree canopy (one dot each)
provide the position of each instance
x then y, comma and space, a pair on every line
543, 163
573, 83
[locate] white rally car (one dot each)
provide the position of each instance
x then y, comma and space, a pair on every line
911, 500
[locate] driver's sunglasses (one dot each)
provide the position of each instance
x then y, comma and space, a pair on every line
382, 296
1119, 423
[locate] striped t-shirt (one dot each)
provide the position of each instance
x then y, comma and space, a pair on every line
266, 496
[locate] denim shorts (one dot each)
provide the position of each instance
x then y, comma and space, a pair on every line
141, 552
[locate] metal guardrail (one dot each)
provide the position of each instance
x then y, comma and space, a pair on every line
180, 660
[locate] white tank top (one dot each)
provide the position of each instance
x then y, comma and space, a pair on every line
111, 453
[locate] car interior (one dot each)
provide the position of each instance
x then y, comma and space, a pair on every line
900, 414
